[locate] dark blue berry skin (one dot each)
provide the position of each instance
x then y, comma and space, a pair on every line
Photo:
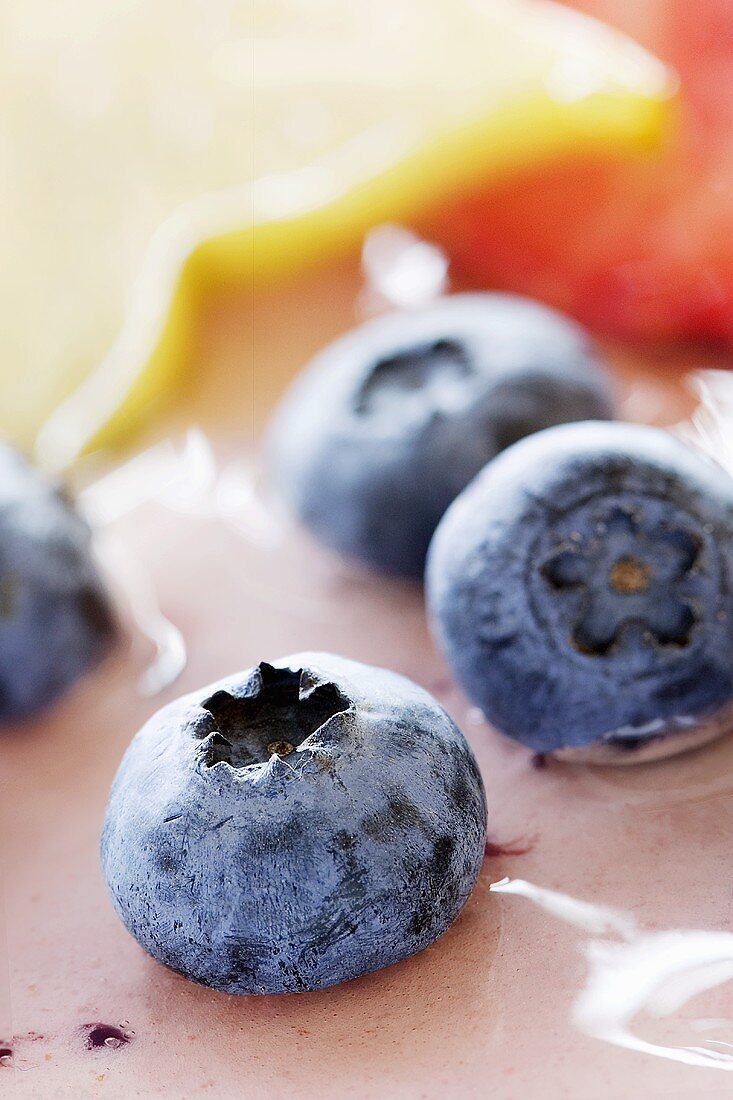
294, 826
56, 621
580, 588
388, 424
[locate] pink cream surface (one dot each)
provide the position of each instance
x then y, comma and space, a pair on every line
491, 1009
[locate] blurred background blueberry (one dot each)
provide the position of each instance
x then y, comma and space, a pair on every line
56, 620
390, 422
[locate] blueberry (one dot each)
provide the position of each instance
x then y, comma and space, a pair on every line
294, 826
56, 621
389, 423
580, 588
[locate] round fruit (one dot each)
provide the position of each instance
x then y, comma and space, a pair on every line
294, 826
388, 424
56, 620
581, 590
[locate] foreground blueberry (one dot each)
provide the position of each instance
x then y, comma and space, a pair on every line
388, 424
580, 588
56, 621
294, 826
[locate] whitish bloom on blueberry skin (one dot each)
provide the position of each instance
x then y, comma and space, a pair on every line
581, 589
389, 423
295, 826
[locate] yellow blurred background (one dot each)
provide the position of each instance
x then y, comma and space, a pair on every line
152, 151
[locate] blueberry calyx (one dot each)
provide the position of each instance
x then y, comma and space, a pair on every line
280, 748
433, 373
630, 575
284, 700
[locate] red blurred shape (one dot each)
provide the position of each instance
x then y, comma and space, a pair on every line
642, 249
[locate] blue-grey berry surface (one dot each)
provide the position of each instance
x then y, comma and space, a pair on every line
294, 826
56, 620
580, 588
389, 423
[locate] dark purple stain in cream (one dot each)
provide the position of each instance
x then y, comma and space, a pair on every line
106, 1036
